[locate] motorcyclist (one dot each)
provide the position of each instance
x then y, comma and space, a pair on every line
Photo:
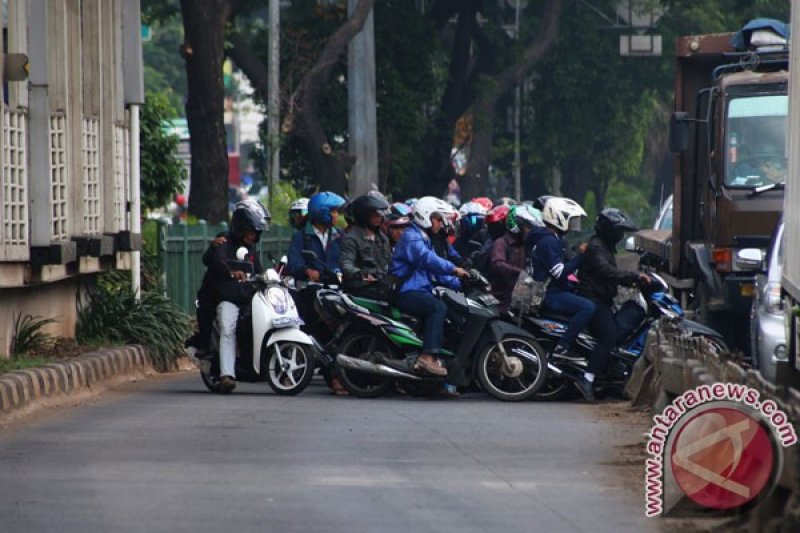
548, 261
471, 227
319, 236
298, 213
225, 277
495, 228
508, 256
416, 267
366, 252
600, 277
395, 228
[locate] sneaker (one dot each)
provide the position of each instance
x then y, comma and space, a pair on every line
431, 366
560, 352
226, 384
586, 388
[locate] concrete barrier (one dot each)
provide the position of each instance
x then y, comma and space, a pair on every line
25, 389
674, 362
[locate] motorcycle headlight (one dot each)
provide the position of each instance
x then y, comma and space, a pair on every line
278, 299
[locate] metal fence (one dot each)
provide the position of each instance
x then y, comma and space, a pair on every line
180, 253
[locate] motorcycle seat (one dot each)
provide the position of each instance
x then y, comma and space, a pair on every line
558, 317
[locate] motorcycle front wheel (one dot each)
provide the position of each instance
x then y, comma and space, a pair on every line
517, 376
289, 367
370, 348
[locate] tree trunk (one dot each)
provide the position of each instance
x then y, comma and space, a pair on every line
203, 50
438, 169
576, 176
493, 89
330, 166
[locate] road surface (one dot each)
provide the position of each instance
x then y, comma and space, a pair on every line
168, 456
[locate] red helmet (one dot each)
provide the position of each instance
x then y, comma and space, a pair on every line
485, 202
497, 214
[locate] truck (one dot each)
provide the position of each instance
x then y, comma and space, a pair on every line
790, 276
728, 134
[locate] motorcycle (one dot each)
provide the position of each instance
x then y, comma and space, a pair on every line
654, 302
270, 346
378, 345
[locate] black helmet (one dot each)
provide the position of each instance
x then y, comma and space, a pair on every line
612, 223
363, 206
249, 214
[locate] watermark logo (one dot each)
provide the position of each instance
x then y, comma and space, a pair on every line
716, 449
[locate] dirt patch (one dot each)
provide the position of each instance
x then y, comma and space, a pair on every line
627, 461
54, 350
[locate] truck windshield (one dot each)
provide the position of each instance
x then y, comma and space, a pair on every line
755, 152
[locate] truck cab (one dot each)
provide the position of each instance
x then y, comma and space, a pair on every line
728, 132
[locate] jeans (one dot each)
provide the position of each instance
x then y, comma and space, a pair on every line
604, 328
227, 315
432, 311
566, 303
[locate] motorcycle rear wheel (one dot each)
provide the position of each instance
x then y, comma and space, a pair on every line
556, 389
289, 367
368, 347
512, 384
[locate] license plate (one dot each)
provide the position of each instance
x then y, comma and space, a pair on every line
747, 290
285, 322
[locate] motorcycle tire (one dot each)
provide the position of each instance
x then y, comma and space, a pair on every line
507, 384
211, 378
292, 371
557, 389
364, 346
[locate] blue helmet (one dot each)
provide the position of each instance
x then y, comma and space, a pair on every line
321, 205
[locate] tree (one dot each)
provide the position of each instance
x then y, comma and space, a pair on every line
162, 172
204, 52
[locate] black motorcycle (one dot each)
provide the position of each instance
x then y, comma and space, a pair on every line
379, 345
654, 303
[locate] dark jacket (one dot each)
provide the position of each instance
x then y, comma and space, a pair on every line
548, 258
222, 262
507, 260
416, 262
327, 258
599, 274
358, 247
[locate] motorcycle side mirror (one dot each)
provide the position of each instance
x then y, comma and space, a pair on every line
241, 253
284, 260
630, 244
310, 256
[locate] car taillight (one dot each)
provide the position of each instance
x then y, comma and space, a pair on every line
772, 298
723, 259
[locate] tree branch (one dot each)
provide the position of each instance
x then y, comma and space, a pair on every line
248, 61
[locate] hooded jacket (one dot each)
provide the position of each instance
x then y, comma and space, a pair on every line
415, 263
547, 253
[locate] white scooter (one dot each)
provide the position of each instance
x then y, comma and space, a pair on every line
270, 346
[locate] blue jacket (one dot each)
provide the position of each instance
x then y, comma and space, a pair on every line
547, 258
306, 239
416, 262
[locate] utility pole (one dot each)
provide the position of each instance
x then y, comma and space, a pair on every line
362, 120
517, 104
274, 101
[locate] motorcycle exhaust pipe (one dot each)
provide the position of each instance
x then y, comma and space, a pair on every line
352, 363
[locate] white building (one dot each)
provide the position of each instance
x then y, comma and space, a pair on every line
66, 154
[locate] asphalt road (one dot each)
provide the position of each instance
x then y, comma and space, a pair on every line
168, 456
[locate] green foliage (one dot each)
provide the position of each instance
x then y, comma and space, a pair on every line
163, 173
164, 69
282, 199
113, 315
18, 363
28, 334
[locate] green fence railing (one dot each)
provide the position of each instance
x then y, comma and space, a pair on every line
180, 255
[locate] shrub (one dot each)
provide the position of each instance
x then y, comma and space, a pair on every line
112, 314
28, 334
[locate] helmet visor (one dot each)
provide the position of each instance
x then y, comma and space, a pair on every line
575, 224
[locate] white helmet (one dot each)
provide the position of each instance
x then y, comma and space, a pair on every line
563, 213
471, 208
301, 204
429, 205
525, 214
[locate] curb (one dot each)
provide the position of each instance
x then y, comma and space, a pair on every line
90, 372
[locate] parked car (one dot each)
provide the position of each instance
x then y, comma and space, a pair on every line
767, 333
